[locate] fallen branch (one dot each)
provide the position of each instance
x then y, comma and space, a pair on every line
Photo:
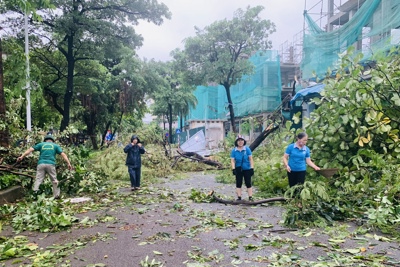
282, 230
244, 202
176, 161
197, 157
6, 168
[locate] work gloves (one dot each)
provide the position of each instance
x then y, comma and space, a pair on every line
251, 172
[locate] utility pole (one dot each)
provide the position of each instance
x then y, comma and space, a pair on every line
4, 140
28, 83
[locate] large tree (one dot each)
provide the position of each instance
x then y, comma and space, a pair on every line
219, 53
173, 95
186, 98
79, 31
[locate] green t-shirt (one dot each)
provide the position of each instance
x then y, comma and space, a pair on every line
48, 151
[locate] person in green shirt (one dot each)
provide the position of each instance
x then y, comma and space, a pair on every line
47, 163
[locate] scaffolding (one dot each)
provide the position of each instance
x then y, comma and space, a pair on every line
371, 26
255, 94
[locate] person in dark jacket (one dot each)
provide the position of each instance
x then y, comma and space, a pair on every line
134, 161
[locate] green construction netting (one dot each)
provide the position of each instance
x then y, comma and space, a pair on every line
373, 28
257, 93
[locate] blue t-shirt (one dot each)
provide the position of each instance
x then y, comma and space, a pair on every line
297, 157
242, 157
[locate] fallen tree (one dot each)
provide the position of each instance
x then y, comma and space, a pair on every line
270, 129
244, 202
275, 117
196, 157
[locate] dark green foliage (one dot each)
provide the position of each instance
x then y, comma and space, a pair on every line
355, 129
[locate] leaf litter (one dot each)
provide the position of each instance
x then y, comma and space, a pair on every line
221, 235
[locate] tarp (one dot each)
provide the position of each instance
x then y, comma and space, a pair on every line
307, 91
196, 143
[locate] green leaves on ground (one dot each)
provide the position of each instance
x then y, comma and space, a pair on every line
44, 215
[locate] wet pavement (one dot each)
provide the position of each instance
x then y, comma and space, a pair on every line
163, 225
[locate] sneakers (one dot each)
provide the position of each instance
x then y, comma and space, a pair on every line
251, 199
135, 188
239, 199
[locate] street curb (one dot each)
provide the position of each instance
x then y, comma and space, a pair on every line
11, 194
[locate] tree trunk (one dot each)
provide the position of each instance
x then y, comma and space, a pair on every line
181, 121
274, 117
198, 157
230, 106
94, 141
271, 128
170, 122
91, 130
118, 129
103, 136
70, 84
244, 202
4, 140
91, 123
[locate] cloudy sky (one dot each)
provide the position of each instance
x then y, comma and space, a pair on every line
159, 41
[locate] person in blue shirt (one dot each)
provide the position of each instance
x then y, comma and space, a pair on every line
242, 166
108, 137
296, 159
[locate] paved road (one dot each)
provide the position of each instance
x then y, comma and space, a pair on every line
162, 224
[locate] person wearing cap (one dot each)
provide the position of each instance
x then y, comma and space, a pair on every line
134, 161
47, 163
296, 158
242, 166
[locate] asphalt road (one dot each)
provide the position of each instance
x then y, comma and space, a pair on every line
161, 226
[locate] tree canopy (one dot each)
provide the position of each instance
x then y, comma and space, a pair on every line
79, 37
173, 96
219, 53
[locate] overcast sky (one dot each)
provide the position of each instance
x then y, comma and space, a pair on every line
159, 41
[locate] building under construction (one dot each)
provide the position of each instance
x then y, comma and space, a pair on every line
330, 27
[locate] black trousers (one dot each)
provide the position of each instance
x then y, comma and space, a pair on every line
240, 175
296, 178
134, 175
